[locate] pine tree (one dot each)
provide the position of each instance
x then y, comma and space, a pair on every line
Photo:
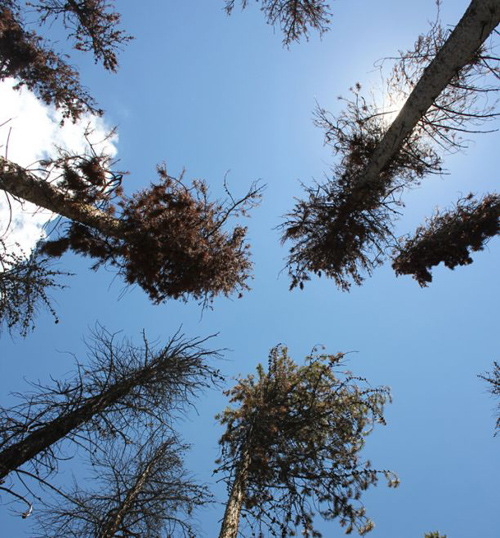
343, 228
121, 392
295, 18
170, 239
292, 442
137, 491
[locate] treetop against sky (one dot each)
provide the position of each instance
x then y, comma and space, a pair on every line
205, 105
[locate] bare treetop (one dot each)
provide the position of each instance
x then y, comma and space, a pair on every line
122, 392
139, 491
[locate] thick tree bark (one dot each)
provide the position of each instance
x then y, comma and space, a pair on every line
477, 23
41, 439
230, 523
21, 183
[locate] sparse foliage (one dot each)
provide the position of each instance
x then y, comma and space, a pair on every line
493, 380
295, 18
137, 491
24, 286
291, 446
343, 228
122, 392
32, 60
93, 25
27, 57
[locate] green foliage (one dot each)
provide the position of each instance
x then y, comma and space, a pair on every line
434, 534
301, 429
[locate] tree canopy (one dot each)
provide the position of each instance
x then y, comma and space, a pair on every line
292, 443
343, 227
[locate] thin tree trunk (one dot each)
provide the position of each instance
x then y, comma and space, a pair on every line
477, 23
230, 523
113, 525
19, 453
21, 183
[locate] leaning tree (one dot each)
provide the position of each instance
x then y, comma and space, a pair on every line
170, 238
344, 227
292, 446
123, 391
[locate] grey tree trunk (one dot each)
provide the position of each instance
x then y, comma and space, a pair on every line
477, 23
41, 439
22, 184
230, 523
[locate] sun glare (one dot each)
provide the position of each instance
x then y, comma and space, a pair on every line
391, 106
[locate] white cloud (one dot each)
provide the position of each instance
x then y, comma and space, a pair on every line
30, 131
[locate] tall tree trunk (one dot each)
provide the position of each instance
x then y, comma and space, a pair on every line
477, 23
21, 183
230, 523
113, 525
36, 442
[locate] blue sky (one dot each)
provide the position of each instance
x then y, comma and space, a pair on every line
212, 94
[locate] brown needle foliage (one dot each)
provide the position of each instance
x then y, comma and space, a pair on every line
292, 443
449, 237
25, 56
92, 24
295, 18
344, 227
171, 239
340, 228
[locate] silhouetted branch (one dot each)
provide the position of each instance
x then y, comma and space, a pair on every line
139, 491
123, 389
449, 237
295, 18
344, 227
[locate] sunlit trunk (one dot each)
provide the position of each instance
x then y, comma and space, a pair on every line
24, 185
230, 523
477, 23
